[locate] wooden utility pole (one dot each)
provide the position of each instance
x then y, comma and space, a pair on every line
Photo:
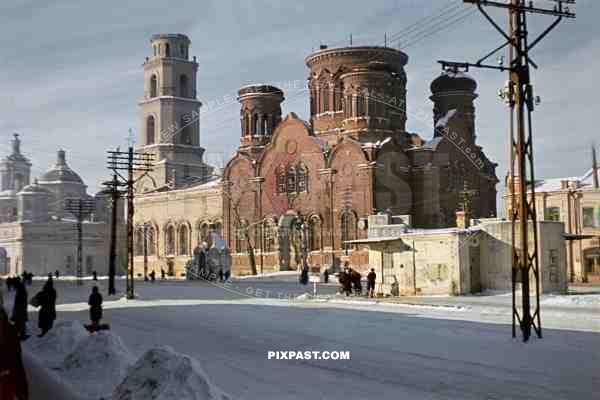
131, 162
525, 260
113, 188
80, 209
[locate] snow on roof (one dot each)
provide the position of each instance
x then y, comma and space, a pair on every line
457, 74
584, 182
443, 121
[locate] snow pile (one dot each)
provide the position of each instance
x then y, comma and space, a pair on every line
273, 275
57, 343
44, 383
97, 364
163, 374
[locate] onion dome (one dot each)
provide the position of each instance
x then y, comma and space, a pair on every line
61, 172
451, 81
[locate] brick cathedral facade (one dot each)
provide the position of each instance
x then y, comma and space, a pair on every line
297, 191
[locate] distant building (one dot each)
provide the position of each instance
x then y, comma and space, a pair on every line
575, 201
37, 234
178, 206
298, 191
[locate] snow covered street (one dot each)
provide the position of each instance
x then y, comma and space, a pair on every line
426, 349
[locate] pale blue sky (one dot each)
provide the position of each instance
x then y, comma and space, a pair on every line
71, 75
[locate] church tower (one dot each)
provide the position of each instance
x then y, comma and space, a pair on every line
170, 112
15, 168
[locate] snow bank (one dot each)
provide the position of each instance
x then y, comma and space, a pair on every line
278, 274
45, 384
56, 344
163, 374
97, 364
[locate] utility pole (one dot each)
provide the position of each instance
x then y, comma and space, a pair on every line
131, 162
520, 96
80, 209
113, 188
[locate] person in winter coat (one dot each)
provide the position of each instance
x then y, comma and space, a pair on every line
13, 381
326, 276
47, 303
95, 303
152, 276
371, 277
19, 314
356, 283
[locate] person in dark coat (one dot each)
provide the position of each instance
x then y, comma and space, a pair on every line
19, 314
346, 280
162, 274
47, 303
152, 276
371, 277
355, 277
94, 275
326, 276
95, 303
57, 274
13, 380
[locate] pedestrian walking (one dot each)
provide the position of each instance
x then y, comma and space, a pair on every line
371, 278
152, 276
326, 276
46, 299
19, 313
163, 274
95, 303
95, 275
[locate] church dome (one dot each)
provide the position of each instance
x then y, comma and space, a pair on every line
450, 81
61, 172
35, 189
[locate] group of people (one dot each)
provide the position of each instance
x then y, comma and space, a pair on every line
44, 299
26, 278
350, 281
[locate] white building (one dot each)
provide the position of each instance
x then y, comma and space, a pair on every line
37, 234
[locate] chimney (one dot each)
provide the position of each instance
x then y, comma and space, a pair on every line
594, 168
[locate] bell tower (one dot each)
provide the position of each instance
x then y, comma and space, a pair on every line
170, 112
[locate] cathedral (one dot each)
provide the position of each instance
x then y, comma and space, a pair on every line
38, 234
299, 191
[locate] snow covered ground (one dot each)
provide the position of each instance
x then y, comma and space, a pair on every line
219, 337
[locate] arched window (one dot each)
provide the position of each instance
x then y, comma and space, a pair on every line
348, 228
150, 129
265, 124
326, 91
337, 96
185, 133
301, 178
217, 230
153, 86
204, 233
360, 105
150, 240
290, 180
255, 124
183, 86
139, 242
167, 50
270, 235
348, 106
170, 240
280, 180
183, 240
